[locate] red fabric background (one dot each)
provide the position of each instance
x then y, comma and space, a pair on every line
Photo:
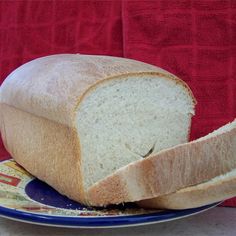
196, 40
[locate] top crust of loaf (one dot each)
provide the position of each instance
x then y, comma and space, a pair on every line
53, 86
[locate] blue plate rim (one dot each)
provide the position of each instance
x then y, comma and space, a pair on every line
100, 221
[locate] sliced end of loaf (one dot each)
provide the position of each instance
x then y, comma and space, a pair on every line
127, 118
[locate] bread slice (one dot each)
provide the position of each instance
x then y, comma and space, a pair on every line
170, 170
72, 120
217, 189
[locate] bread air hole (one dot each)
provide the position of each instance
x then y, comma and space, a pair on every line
149, 153
143, 156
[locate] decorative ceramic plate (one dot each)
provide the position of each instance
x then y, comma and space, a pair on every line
24, 198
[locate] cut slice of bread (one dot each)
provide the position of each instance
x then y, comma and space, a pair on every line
217, 189
170, 170
72, 120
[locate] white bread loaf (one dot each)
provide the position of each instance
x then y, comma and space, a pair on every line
72, 120
173, 169
217, 189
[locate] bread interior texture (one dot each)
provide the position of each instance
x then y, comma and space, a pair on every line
123, 120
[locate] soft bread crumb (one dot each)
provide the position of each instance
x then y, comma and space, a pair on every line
121, 120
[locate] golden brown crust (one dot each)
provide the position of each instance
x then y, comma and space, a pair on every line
46, 149
171, 170
194, 196
103, 192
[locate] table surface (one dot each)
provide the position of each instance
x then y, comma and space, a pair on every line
217, 221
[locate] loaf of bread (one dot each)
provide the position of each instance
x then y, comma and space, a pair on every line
72, 120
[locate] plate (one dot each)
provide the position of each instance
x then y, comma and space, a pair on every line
25, 198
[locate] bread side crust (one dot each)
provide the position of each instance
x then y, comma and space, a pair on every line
168, 171
194, 196
46, 149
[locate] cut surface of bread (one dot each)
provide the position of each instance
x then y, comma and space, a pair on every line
124, 120
170, 170
72, 120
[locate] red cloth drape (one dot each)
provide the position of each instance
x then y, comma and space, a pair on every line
196, 40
